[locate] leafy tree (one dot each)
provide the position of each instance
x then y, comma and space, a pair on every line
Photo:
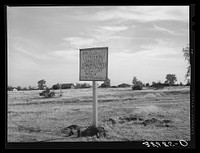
24, 88
170, 79
147, 85
19, 87
29, 88
9, 88
106, 83
153, 83
134, 80
137, 85
56, 86
188, 83
84, 85
186, 54
41, 84
158, 85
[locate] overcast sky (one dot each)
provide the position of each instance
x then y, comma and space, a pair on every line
142, 41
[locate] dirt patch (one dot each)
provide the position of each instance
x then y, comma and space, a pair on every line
71, 130
157, 122
139, 119
133, 117
92, 131
130, 118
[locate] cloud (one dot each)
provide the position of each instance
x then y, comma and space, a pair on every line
107, 32
69, 55
166, 30
78, 42
40, 57
162, 50
148, 46
95, 36
114, 28
58, 56
141, 13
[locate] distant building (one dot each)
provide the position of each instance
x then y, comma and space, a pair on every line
14, 89
123, 85
67, 86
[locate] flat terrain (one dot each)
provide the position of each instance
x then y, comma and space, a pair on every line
126, 115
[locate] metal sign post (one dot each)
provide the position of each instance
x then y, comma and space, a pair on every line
94, 67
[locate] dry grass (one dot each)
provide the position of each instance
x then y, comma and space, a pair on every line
126, 115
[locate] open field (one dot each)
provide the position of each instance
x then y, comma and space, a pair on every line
126, 115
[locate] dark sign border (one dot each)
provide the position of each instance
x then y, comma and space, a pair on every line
96, 48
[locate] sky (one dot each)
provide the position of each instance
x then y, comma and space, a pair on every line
143, 41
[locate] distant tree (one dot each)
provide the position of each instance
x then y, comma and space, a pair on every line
137, 85
186, 54
56, 86
147, 84
106, 83
19, 87
153, 83
31, 88
134, 80
188, 83
170, 79
158, 85
9, 88
41, 84
24, 88
84, 85
181, 84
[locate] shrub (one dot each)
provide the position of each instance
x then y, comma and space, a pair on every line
84, 85
47, 94
158, 85
137, 86
106, 83
55, 87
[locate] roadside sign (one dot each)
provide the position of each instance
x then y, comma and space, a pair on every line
93, 64
94, 67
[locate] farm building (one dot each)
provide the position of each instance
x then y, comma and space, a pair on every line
123, 85
67, 86
14, 89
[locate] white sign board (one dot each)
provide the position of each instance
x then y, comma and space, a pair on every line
93, 64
